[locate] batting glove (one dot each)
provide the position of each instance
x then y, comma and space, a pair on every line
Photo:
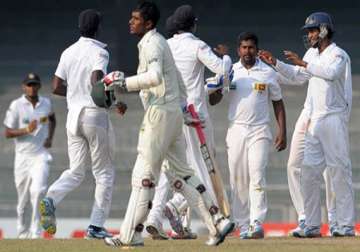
213, 84
115, 78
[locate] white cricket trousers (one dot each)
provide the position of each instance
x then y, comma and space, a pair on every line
162, 146
196, 162
31, 173
93, 147
248, 152
294, 165
327, 145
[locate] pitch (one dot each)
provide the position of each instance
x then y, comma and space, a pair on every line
231, 244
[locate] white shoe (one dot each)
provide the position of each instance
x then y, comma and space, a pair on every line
116, 242
156, 231
224, 227
299, 230
344, 231
24, 235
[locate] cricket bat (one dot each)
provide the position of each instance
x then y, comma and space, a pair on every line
212, 167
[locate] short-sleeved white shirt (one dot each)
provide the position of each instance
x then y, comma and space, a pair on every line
251, 93
191, 56
76, 65
20, 113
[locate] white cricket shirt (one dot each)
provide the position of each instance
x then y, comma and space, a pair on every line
329, 77
191, 56
20, 113
252, 90
76, 65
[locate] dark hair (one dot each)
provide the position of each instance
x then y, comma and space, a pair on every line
244, 36
89, 21
149, 11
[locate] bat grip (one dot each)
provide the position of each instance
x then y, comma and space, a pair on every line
198, 128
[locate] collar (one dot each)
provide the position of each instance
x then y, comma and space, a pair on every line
184, 35
256, 66
329, 48
26, 101
146, 37
97, 42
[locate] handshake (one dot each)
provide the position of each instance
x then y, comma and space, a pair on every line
218, 82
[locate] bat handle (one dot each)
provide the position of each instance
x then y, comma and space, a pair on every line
198, 128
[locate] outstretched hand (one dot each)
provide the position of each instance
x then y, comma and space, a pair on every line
294, 58
267, 57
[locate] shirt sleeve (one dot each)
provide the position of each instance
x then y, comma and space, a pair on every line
274, 90
295, 74
209, 59
101, 61
153, 55
12, 117
61, 68
330, 71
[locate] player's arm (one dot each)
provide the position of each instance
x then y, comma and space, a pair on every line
295, 74
153, 76
11, 133
213, 62
279, 111
59, 88
328, 72
52, 126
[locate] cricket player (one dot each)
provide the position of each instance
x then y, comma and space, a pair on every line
327, 69
30, 120
89, 130
191, 56
249, 137
160, 136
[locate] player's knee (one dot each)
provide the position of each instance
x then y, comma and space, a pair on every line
147, 183
213, 210
178, 185
195, 182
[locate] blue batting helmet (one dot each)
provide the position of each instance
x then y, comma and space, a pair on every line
318, 19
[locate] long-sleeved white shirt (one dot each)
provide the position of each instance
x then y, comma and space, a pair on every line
157, 76
329, 77
191, 56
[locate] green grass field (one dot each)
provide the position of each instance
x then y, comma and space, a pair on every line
231, 244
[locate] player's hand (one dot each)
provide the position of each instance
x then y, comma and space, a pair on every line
48, 143
213, 84
267, 57
280, 141
191, 121
121, 108
31, 127
115, 78
294, 58
221, 49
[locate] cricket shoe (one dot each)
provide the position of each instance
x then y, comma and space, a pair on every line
156, 232
174, 218
312, 232
344, 231
188, 235
94, 232
47, 215
224, 227
256, 231
116, 241
299, 230
244, 232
